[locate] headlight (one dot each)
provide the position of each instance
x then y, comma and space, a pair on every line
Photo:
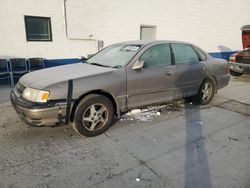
35, 95
232, 58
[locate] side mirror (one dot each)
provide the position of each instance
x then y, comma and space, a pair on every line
83, 59
139, 64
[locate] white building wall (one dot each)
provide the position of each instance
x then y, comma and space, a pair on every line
13, 37
208, 23
211, 24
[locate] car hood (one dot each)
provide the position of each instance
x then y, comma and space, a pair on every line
245, 52
46, 77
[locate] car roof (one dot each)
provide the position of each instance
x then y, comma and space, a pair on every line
146, 42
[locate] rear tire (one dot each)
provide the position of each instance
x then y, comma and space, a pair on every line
94, 115
206, 93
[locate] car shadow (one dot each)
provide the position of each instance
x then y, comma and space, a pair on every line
197, 173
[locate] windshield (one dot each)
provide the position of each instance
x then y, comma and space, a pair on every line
115, 56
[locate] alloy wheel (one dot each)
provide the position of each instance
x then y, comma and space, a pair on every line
95, 117
207, 91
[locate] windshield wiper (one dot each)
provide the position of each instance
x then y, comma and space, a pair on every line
117, 66
101, 65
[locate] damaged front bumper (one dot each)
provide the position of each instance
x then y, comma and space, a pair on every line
37, 114
238, 67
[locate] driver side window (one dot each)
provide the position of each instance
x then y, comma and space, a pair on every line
157, 56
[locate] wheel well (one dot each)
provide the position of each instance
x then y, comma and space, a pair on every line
213, 79
100, 92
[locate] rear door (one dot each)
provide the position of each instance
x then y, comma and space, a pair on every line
190, 70
154, 82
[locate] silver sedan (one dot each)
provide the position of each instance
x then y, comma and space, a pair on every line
119, 78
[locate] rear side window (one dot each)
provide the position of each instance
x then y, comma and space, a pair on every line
184, 53
156, 56
201, 54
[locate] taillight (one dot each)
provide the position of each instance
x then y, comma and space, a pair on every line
226, 68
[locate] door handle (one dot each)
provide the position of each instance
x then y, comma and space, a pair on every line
169, 72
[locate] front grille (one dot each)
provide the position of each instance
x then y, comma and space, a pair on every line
246, 60
239, 59
20, 88
242, 59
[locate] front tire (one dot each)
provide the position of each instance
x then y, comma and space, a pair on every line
94, 115
206, 93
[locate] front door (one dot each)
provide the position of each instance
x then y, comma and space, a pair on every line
153, 83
